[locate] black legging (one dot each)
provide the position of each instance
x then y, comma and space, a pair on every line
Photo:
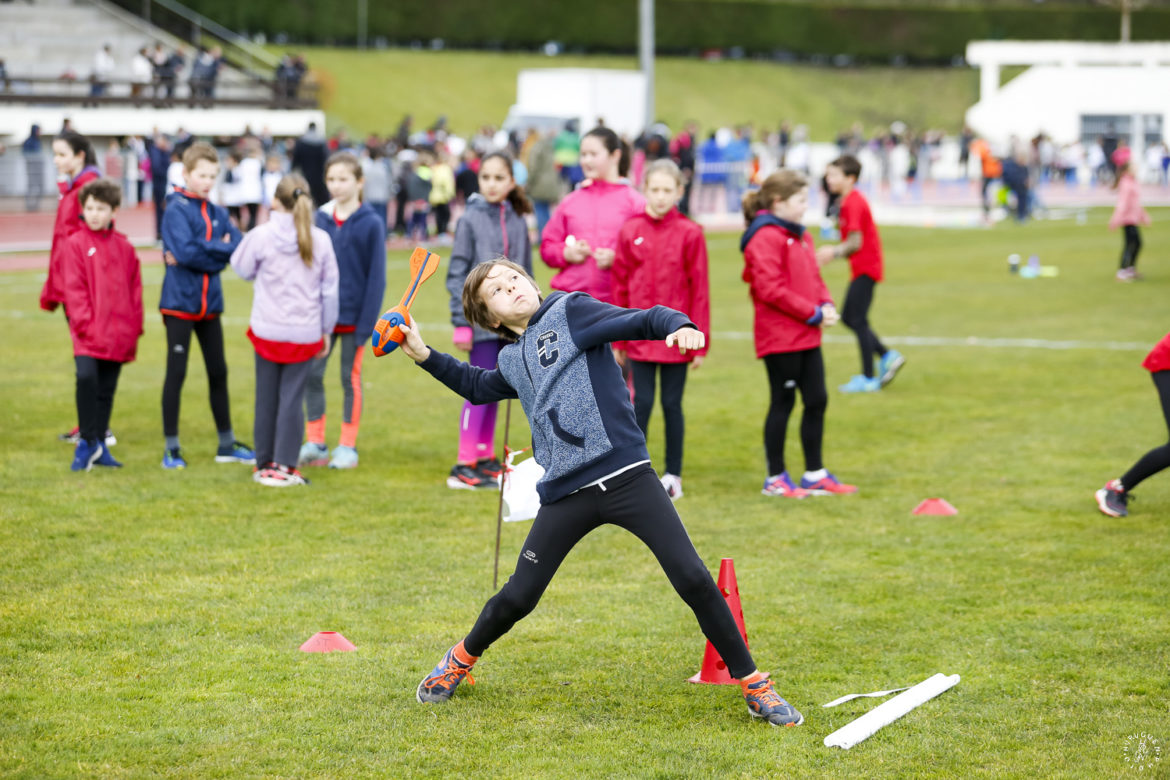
1133, 245
858, 299
1158, 458
210, 335
96, 382
788, 372
674, 381
635, 501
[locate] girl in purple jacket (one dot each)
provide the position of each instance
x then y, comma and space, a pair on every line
294, 310
581, 236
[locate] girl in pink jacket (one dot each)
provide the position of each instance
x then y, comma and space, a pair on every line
1127, 215
581, 236
294, 311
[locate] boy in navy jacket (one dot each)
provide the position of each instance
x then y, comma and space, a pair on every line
597, 469
198, 241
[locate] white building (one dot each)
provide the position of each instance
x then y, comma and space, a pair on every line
1072, 91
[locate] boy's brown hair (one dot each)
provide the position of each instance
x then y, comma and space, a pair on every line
848, 165
475, 309
103, 190
780, 185
200, 150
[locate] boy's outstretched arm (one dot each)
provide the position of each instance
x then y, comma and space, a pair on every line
478, 385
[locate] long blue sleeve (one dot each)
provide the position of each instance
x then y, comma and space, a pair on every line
375, 255
592, 322
194, 251
478, 385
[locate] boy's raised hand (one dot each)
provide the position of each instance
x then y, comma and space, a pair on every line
686, 338
413, 345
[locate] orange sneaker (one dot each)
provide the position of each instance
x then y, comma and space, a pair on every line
764, 702
440, 684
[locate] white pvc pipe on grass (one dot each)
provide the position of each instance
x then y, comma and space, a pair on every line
886, 713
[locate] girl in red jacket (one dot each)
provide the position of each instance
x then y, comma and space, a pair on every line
102, 287
791, 305
1112, 498
661, 258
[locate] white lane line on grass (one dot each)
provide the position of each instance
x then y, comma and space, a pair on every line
739, 335
970, 341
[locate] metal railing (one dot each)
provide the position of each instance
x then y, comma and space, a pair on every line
271, 93
191, 26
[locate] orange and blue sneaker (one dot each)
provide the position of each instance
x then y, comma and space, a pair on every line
1113, 499
781, 485
827, 485
440, 684
763, 702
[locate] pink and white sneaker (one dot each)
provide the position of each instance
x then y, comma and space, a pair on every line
827, 485
781, 486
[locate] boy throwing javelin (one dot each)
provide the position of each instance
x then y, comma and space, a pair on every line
560, 365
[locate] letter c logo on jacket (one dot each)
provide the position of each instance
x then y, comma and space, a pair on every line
544, 347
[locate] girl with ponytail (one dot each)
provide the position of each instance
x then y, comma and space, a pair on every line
294, 311
581, 237
492, 227
792, 305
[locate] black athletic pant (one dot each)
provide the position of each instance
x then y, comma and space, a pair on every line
858, 299
1133, 245
674, 380
635, 501
96, 382
1158, 458
787, 373
210, 335
442, 217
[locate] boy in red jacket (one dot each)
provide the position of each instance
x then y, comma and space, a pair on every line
103, 295
661, 259
792, 304
863, 247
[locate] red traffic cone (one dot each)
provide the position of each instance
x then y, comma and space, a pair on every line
327, 642
714, 671
935, 506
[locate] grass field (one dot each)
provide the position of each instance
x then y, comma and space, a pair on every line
379, 87
149, 621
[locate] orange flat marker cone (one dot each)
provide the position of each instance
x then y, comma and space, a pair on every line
714, 670
935, 506
327, 642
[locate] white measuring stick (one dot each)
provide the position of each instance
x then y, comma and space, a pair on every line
874, 695
887, 712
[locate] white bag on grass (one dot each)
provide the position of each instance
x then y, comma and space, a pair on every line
521, 501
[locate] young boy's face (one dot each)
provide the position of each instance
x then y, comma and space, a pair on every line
835, 179
662, 192
97, 214
509, 297
341, 182
201, 178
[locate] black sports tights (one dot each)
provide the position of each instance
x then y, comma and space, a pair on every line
674, 380
1158, 458
210, 335
787, 373
635, 501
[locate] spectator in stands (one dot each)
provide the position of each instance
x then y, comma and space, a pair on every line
158, 151
544, 183
141, 73
379, 182
103, 67
682, 151
308, 158
4, 81
34, 162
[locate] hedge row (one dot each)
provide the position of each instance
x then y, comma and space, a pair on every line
926, 34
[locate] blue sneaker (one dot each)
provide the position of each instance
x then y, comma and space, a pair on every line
86, 454
235, 453
173, 459
440, 684
861, 384
106, 459
344, 458
313, 454
889, 365
764, 702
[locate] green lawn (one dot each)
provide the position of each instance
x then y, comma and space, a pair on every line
370, 91
149, 621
